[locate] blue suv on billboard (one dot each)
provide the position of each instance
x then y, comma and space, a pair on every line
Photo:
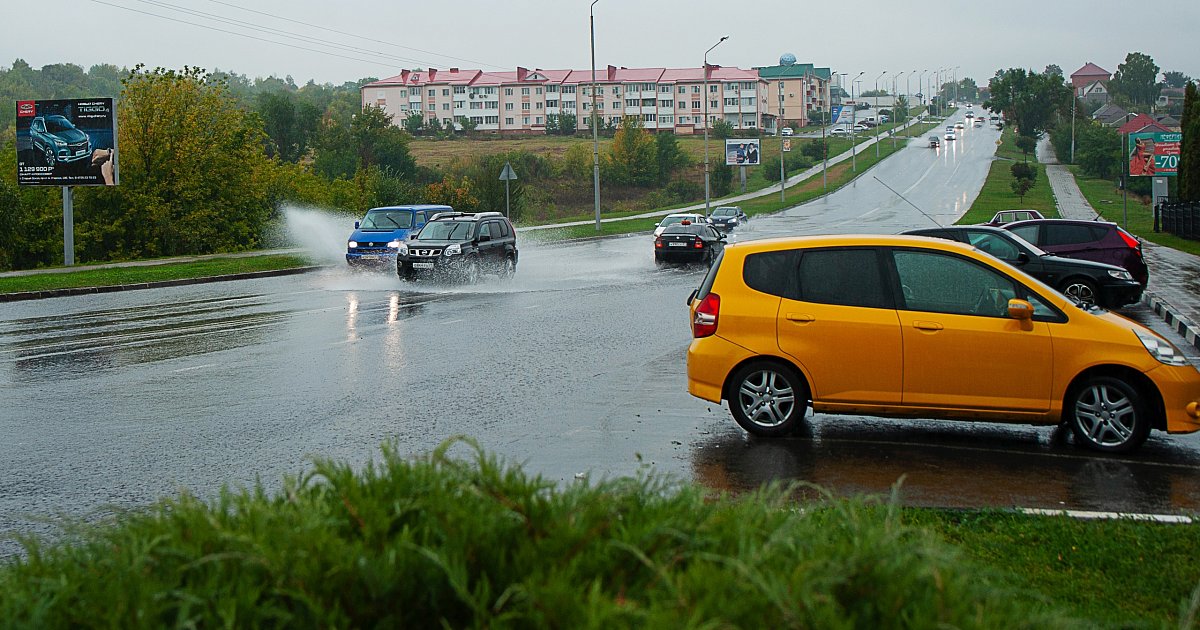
377, 237
57, 140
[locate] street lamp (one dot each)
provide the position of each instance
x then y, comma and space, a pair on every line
877, 122
895, 102
853, 122
707, 187
595, 132
956, 84
921, 85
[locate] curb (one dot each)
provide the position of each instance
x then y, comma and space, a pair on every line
1181, 325
38, 295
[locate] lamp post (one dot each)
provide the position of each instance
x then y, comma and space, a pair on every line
877, 121
1125, 172
853, 122
895, 102
921, 85
956, 84
779, 135
707, 187
595, 132
1074, 98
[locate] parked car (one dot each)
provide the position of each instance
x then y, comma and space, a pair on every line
57, 140
861, 127
727, 217
377, 236
934, 142
904, 326
1008, 216
839, 131
1088, 240
787, 131
688, 242
460, 246
1088, 283
679, 217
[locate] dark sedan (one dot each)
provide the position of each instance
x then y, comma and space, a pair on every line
727, 217
688, 242
1085, 281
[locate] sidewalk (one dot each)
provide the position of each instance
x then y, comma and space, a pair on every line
1174, 288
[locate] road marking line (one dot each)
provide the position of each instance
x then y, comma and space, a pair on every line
1089, 515
195, 367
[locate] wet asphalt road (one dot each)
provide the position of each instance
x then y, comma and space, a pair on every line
574, 368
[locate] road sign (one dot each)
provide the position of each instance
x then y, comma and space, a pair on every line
787, 144
508, 172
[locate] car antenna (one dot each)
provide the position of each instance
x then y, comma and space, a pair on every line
907, 201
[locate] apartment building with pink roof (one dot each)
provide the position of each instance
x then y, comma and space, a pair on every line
521, 102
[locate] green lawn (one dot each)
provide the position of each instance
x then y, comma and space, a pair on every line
997, 193
1107, 200
216, 266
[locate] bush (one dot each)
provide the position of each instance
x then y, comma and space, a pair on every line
1024, 170
794, 163
444, 542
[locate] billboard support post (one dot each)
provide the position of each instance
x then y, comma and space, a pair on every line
68, 226
742, 172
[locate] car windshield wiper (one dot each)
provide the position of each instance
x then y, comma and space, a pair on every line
393, 222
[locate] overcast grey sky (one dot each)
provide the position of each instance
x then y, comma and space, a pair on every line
382, 38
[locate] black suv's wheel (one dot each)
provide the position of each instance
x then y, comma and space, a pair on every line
1081, 290
471, 272
768, 399
508, 268
1107, 414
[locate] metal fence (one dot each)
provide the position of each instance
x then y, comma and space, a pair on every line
1181, 218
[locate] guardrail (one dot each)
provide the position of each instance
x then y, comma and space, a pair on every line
1181, 218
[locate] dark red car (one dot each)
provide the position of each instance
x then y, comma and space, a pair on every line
1087, 240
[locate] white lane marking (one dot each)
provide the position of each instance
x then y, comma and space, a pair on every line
1085, 514
454, 321
533, 306
195, 367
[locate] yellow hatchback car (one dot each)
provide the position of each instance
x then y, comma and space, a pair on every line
914, 327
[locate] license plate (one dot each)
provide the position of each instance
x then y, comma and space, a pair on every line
421, 265
369, 257
676, 244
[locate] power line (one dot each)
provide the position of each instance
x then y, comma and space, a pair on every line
378, 41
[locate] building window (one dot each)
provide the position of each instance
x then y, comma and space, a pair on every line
476, 105
666, 104
490, 90
665, 89
568, 105
682, 89
491, 120
539, 105
552, 89
695, 104
631, 102
447, 121
433, 92
525, 106
551, 104
648, 118
748, 85
666, 119
713, 104
493, 104
525, 91
525, 120
537, 120
445, 106
445, 91
712, 89
695, 89
432, 107
731, 102
508, 91
508, 107
508, 121
460, 104
587, 105
477, 120
460, 89
537, 90
568, 89
748, 102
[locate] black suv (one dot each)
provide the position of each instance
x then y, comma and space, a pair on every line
1087, 282
460, 246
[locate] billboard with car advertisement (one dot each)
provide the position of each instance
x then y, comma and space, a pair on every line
741, 152
71, 142
1154, 154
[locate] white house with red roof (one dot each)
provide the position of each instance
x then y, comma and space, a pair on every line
520, 102
1091, 82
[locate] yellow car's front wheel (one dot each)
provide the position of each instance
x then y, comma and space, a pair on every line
768, 398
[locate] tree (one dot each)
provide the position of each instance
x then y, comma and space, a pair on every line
567, 124
1027, 145
1136, 80
669, 156
290, 123
815, 149
721, 180
1053, 69
1189, 158
722, 129
551, 127
1174, 79
414, 123
468, 126
1033, 101
632, 159
1020, 187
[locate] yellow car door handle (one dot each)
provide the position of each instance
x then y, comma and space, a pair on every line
927, 325
800, 317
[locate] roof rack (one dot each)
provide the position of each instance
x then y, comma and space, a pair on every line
457, 215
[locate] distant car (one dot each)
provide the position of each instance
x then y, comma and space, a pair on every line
861, 127
959, 125
727, 217
57, 140
934, 142
460, 246
883, 118
672, 219
867, 123
1088, 240
1008, 216
688, 242
950, 135
377, 237
949, 127
979, 122
1088, 283
839, 131
786, 131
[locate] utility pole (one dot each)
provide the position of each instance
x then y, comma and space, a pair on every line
595, 131
707, 186
779, 135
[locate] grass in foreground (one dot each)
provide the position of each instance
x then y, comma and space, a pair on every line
218, 266
474, 543
1106, 199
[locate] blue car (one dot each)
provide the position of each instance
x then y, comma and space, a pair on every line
377, 237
